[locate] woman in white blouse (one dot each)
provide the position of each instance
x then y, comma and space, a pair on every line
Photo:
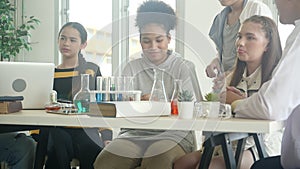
258, 52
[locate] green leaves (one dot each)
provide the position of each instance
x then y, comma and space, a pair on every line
211, 97
185, 96
12, 38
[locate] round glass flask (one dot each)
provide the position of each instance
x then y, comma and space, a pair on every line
82, 97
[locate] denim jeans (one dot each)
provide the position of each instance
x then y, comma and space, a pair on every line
17, 150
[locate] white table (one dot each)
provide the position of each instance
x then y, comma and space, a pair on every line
39, 118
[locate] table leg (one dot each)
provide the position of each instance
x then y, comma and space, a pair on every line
228, 152
239, 152
206, 157
225, 140
260, 145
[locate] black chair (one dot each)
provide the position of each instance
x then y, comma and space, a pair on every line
225, 140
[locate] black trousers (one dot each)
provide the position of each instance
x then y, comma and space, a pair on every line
268, 163
69, 143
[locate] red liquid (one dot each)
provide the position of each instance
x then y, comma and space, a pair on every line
52, 108
174, 107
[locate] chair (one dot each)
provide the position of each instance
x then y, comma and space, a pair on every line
75, 163
3, 165
225, 140
42, 148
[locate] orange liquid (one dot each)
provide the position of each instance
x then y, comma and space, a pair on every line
174, 107
52, 108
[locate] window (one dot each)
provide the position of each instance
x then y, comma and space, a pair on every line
96, 16
284, 30
112, 37
135, 50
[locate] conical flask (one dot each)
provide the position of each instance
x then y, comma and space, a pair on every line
174, 99
158, 92
82, 97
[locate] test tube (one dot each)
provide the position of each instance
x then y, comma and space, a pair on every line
106, 88
99, 97
112, 88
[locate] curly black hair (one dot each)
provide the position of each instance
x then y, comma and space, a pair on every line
156, 12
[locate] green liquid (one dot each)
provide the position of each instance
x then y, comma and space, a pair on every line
82, 106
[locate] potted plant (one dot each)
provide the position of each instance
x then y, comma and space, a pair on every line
13, 37
212, 97
211, 105
185, 96
185, 104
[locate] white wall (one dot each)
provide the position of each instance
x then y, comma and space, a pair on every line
44, 37
199, 48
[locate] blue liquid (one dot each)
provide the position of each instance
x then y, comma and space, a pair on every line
99, 97
120, 97
112, 96
82, 106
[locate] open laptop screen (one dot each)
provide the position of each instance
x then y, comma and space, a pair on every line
33, 81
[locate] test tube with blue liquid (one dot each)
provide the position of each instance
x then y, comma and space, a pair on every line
99, 88
112, 88
103, 86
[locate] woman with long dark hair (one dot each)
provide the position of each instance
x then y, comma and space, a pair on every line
68, 143
258, 51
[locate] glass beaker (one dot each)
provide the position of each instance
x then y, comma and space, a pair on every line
158, 92
127, 87
82, 97
174, 99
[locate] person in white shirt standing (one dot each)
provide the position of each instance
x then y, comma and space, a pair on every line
279, 98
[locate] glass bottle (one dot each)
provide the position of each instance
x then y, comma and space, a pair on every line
174, 99
82, 97
53, 105
158, 92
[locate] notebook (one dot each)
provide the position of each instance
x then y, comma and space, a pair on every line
33, 81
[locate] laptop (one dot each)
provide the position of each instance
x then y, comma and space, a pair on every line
33, 81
